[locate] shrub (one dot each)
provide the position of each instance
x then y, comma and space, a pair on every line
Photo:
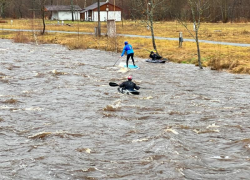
245, 32
21, 38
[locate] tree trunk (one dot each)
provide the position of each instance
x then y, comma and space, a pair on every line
151, 21
152, 34
20, 9
232, 12
51, 3
99, 23
122, 14
2, 9
85, 3
43, 17
196, 14
72, 10
198, 50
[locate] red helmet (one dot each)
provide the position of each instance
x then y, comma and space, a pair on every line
129, 77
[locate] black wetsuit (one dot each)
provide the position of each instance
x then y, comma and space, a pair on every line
154, 56
132, 57
129, 85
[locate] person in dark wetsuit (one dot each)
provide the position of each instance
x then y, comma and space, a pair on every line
154, 56
129, 85
130, 52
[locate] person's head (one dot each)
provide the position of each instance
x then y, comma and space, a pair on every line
126, 42
154, 52
130, 78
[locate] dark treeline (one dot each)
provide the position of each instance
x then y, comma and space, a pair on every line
216, 11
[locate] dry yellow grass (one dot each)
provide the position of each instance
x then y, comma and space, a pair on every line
218, 57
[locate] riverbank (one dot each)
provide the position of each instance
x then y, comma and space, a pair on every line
217, 56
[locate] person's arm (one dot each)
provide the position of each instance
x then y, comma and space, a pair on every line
121, 85
136, 87
123, 51
158, 57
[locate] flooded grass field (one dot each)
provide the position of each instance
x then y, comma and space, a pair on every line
60, 119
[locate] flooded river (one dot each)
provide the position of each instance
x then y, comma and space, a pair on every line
60, 119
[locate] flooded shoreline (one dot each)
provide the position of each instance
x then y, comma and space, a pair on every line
60, 119
142, 36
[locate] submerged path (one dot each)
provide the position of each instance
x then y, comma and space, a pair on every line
141, 36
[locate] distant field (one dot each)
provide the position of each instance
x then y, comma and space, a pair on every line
218, 57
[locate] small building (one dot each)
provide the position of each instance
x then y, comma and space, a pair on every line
61, 12
107, 11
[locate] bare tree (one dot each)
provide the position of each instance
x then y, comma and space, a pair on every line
85, 4
224, 8
232, 10
3, 6
19, 5
197, 8
150, 21
41, 4
99, 22
145, 9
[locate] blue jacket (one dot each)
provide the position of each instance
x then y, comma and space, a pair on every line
127, 48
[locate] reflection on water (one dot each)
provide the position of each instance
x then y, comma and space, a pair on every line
59, 119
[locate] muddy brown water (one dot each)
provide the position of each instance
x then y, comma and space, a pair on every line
60, 119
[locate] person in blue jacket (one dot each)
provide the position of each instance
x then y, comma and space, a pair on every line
130, 52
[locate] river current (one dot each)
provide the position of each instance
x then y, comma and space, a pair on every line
60, 119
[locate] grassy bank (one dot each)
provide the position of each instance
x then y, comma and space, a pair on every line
218, 57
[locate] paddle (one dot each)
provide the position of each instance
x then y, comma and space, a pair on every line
113, 84
116, 61
132, 92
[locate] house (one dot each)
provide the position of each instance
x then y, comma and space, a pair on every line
107, 11
60, 12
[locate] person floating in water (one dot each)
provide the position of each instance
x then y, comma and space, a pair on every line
129, 85
130, 52
154, 56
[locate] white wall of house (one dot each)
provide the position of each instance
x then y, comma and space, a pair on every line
87, 16
65, 15
114, 15
111, 15
54, 15
103, 16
